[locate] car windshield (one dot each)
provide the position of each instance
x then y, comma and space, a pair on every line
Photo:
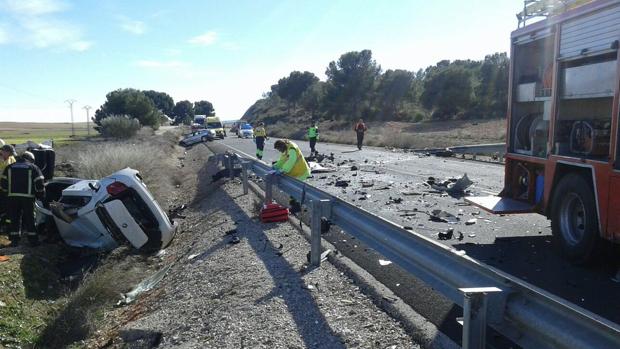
246, 127
199, 121
216, 124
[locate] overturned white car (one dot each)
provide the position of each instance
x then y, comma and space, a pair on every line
101, 214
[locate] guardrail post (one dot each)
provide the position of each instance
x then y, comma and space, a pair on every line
320, 209
244, 174
231, 166
475, 316
269, 179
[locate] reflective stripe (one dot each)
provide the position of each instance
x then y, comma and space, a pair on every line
40, 178
29, 181
20, 195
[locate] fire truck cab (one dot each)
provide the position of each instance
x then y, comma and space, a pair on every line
562, 156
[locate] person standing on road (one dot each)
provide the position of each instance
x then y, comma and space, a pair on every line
22, 182
260, 135
7, 157
291, 160
313, 136
359, 129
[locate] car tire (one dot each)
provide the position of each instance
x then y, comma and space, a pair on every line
574, 219
204, 139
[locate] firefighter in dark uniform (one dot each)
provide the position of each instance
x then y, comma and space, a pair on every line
22, 182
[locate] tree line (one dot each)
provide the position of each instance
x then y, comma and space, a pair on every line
150, 108
356, 86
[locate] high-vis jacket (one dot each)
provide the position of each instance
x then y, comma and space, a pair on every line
313, 132
292, 162
22, 179
260, 132
4, 163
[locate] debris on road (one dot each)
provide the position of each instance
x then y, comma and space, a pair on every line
315, 167
447, 235
384, 262
353, 168
367, 184
452, 186
392, 200
175, 212
144, 286
410, 193
471, 221
234, 240
443, 217
4, 258
342, 183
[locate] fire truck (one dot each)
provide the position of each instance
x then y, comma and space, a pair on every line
563, 156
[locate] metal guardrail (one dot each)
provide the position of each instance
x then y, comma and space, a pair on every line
527, 315
477, 149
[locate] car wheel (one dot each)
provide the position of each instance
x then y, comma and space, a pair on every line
204, 139
574, 219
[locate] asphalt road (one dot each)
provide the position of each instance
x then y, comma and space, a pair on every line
521, 245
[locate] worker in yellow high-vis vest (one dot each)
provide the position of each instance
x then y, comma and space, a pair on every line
7, 157
291, 160
260, 135
313, 136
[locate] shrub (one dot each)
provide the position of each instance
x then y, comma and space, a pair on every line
418, 117
119, 126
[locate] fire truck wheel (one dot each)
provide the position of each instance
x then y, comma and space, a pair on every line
574, 220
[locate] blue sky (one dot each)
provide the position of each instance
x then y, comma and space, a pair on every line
226, 52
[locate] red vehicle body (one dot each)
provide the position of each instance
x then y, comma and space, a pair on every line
562, 156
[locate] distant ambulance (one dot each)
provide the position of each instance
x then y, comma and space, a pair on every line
214, 123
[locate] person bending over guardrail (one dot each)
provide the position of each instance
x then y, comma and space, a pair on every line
291, 160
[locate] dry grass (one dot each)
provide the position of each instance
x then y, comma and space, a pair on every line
153, 156
403, 134
84, 309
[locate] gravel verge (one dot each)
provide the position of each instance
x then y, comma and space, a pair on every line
256, 293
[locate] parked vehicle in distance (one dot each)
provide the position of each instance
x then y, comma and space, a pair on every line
234, 128
199, 122
214, 123
245, 131
199, 136
102, 214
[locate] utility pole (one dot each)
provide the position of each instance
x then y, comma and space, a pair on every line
70, 102
87, 108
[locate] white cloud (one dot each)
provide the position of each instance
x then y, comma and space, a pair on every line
44, 33
33, 25
133, 26
160, 64
205, 39
33, 7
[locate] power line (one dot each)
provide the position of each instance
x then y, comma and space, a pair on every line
70, 102
87, 108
